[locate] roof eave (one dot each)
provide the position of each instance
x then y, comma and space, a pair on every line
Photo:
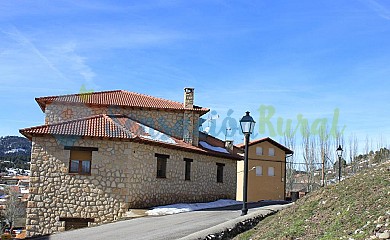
41, 103
29, 136
139, 140
285, 149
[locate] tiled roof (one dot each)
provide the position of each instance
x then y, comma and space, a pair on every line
117, 127
117, 98
268, 139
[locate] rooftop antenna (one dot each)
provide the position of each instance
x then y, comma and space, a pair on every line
226, 132
208, 120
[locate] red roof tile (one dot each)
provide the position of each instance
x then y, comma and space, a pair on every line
117, 98
117, 127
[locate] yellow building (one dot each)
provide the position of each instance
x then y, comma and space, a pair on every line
267, 170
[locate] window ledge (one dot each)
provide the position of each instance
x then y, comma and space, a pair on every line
81, 174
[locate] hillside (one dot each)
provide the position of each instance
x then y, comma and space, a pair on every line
15, 152
357, 208
14, 145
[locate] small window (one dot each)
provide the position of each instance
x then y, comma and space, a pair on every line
259, 151
161, 165
271, 171
76, 223
80, 162
220, 172
259, 171
187, 173
271, 152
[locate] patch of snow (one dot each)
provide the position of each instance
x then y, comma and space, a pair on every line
11, 172
155, 135
188, 207
213, 148
15, 150
146, 132
24, 190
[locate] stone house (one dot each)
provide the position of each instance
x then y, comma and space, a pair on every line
267, 170
101, 153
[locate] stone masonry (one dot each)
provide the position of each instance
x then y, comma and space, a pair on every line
123, 176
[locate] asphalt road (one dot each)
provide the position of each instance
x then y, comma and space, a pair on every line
162, 227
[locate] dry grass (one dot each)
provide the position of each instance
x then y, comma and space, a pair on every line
357, 208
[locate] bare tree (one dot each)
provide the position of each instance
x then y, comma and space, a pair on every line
309, 156
323, 144
353, 149
367, 150
14, 208
289, 142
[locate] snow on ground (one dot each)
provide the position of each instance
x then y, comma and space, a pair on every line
188, 207
15, 150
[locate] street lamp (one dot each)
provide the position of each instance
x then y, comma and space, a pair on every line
339, 152
247, 125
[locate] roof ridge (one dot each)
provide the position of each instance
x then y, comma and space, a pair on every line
146, 95
79, 94
276, 143
118, 98
131, 135
137, 136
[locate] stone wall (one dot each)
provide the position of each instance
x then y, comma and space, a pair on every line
167, 121
123, 175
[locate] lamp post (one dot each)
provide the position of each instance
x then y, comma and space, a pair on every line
339, 152
247, 125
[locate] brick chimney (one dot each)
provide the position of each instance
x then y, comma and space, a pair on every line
188, 97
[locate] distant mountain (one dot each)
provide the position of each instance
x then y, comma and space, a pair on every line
14, 146
15, 152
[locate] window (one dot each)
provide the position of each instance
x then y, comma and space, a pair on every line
161, 165
76, 223
220, 172
187, 173
271, 152
271, 171
259, 151
80, 159
259, 171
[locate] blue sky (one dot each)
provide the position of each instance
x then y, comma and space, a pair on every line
300, 57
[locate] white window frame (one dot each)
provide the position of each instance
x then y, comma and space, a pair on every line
259, 171
259, 151
271, 171
271, 152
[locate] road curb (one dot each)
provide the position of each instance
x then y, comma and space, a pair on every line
231, 228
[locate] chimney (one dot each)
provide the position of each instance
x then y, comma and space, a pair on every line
229, 146
190, 119
188, 97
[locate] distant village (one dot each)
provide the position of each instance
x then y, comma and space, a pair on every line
14, 184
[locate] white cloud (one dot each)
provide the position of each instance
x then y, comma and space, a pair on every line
14, 34
39, 62
379, 8
67, 56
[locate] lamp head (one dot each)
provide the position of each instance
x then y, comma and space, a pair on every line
339, 151
247, 124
